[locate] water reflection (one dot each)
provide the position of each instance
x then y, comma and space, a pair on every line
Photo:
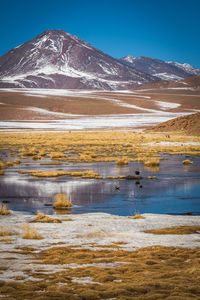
175, 191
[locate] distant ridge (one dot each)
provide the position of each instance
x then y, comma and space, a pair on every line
164, 70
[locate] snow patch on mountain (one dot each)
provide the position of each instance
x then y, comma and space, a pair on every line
186, 67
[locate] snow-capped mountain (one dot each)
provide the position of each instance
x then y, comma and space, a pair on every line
57, 59
165, 70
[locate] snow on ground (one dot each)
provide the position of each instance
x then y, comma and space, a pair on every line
103, 229
166, 105
95, 122
168, 76
43, 111
91, 231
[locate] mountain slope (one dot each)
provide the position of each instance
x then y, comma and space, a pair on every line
190, 84
56, 59
164, 70
189, 124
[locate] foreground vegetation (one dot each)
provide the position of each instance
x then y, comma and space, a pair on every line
150, 273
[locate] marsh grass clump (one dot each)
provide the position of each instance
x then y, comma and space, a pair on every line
152, 162
122, 161
4, 231
136, 215
30, 232
187, 162
3, 210
62, 201
28, 152
152, 177
17, 161
57, 155
42, 218
175, 230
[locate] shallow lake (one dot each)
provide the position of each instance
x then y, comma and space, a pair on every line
175, 191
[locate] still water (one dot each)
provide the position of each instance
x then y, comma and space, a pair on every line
175, 191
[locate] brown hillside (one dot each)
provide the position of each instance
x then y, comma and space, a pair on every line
192, 83
189, 124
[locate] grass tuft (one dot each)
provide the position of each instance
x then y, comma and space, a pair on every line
62, 201
30, 232
136, 215
42, 218
122, 161
187, 162
3, 210
5, 231
152, 162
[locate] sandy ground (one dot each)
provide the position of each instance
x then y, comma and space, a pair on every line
92, 109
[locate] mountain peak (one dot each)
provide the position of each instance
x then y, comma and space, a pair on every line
57, 59
128, 58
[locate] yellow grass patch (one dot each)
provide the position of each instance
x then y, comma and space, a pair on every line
98, 146
187, 162
152, 163
62, 201
56, 155
42, 218
17, 161
83, 174
30, 232
122, 161
3, 209
151, 177
175, 230
136, 215
4, 231
150, 273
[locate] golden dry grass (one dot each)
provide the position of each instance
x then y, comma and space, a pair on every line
175, 230
187, 162
151, 177
137, 216
152, 163
122, 161
83, 174
99, 146
17, 161
62, 201
5, 231
150, 273
3, 210
30, 232
42, 218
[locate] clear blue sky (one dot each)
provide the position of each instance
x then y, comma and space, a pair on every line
164, 29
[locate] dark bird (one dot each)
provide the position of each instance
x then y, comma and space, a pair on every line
137, 172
